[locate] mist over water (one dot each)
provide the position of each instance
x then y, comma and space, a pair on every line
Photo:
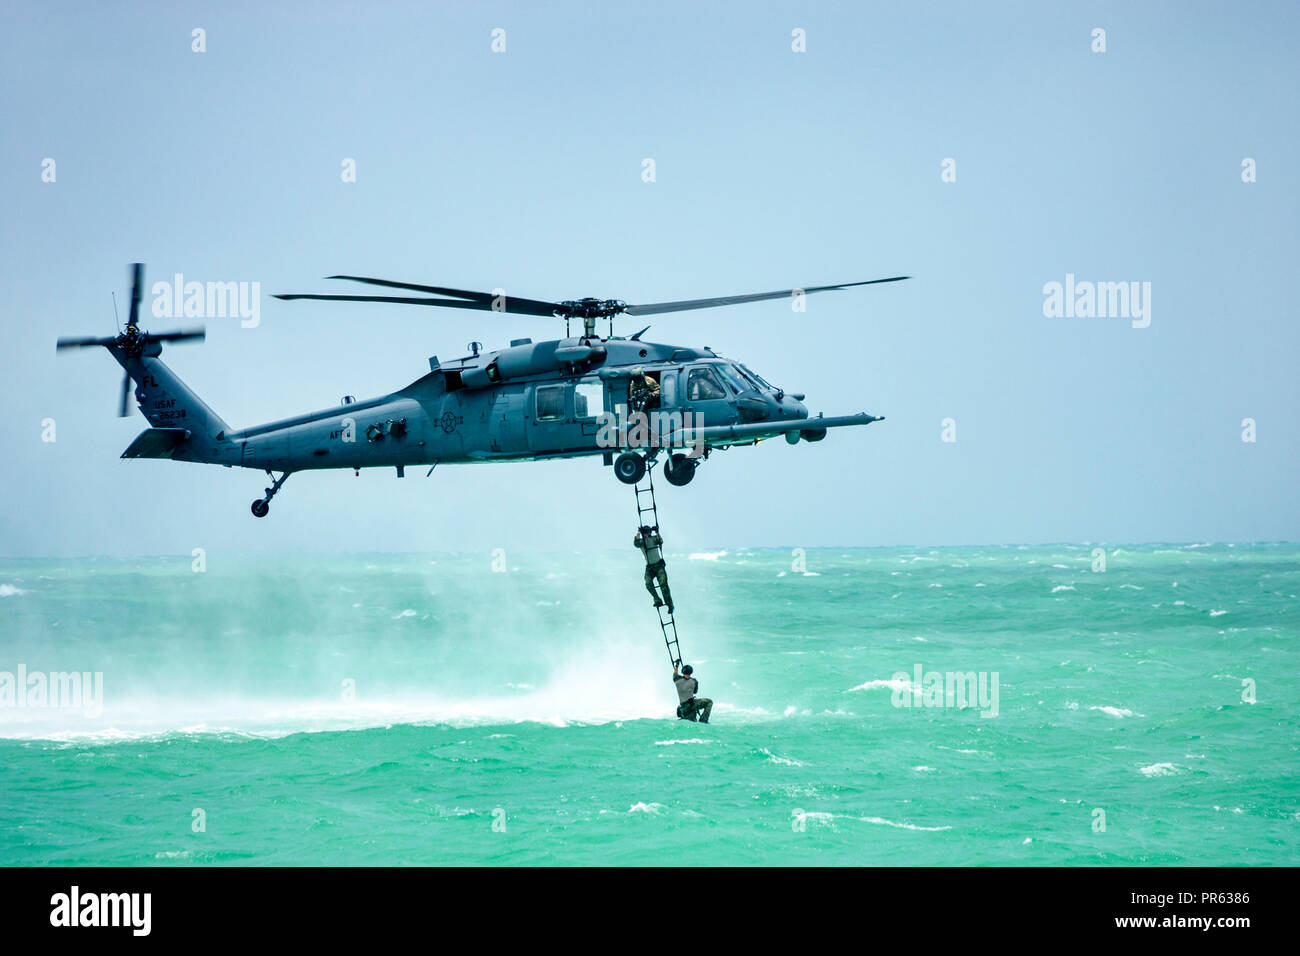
357, 708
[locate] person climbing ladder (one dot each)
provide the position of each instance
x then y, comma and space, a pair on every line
691, 707
649, 542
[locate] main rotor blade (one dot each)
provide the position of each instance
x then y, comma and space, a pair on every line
84, 342
137, 284
508, 305
654, 308
126, 391
550, 307
180, 335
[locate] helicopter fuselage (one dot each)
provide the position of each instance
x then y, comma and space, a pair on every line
530, 401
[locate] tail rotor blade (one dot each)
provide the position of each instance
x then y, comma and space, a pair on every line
137, 284
82, 342
180, 335
126, 392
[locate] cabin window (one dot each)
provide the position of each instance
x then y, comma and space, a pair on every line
668, 388
550, 402
703, 384
588, 400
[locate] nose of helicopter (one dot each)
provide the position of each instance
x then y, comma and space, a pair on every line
789, 407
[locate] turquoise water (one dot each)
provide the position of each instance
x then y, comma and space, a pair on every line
419, 709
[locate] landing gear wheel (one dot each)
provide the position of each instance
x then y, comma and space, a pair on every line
629, 467
260, 508
679, 470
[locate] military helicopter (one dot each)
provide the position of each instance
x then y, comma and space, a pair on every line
561, 398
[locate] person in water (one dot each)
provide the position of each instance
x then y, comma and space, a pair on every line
691, 707
650, 544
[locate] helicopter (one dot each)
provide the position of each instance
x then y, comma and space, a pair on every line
583, 395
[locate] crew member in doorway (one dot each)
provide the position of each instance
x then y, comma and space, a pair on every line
647, 540
691, 707
644, 394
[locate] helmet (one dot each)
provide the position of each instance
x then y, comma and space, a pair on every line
688, 670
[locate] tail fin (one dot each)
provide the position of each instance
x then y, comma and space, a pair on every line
168, 403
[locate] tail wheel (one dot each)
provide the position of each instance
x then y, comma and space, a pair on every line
679, 470
261, 507
629, 467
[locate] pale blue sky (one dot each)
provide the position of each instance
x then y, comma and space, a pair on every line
522, 170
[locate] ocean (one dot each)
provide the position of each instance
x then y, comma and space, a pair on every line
1040, 705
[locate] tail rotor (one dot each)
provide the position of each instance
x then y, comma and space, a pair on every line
131, 342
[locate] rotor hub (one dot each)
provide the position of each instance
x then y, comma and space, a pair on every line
590, 308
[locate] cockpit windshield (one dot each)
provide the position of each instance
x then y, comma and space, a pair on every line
737, 381
755, 377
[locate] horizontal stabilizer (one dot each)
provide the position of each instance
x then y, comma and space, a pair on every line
156, 443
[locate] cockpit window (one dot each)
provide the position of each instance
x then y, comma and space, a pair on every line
702, 384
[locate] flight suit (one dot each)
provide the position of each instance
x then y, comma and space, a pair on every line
691, 707
645, 394
655, 569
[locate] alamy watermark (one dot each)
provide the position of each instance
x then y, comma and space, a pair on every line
208, 300
1100, 300
63, 690
654, 429
959, 689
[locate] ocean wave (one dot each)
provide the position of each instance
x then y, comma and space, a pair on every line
692, 740
8, 590
1160, 770
900, 685
641, 807
784, 761
1115, 711
881, 821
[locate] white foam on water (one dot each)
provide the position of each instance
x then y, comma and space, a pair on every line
1115, 711
784, 761
1217, 613
617, 687
641, 807
1063, 587
692, 740
901, 684
1160, 770
707, 555
881, 821
8, 590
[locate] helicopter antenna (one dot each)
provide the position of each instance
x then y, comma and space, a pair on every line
115, 318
